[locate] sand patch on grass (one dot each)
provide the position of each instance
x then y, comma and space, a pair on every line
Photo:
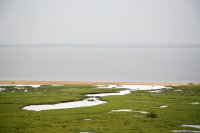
2, 89
87, 132
193, 126
178, 90
87, 119
191, 131
128, 110
195, 103
156, 91
163, 106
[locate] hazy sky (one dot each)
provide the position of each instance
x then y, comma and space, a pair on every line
100, 21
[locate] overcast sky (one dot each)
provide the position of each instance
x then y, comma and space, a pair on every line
100, 21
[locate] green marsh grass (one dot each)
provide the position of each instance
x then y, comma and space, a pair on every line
179, 111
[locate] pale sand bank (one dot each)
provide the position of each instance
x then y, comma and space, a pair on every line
35, 82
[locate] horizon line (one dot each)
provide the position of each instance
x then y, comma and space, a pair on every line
103, 45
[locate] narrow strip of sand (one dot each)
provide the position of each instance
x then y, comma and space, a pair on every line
37, 82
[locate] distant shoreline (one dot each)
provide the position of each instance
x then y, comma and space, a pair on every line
98, 45
38, 82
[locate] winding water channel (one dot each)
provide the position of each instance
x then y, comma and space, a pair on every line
93, 99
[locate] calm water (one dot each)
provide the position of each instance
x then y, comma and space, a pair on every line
100, 64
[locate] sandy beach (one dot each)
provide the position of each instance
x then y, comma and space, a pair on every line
37, 82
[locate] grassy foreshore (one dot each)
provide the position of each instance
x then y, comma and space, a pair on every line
181, 107
37, 82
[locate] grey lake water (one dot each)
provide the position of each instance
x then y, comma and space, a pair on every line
100, 64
